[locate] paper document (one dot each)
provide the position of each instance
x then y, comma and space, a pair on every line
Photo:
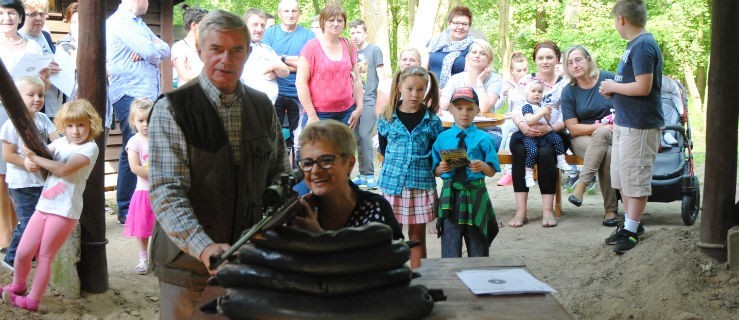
502, 281
30, 65
65, 80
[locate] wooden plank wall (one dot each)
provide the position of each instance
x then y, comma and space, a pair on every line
160, 20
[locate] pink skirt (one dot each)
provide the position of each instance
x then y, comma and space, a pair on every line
413, 206
140, 219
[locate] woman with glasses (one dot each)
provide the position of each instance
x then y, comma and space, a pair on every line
36, 14
584, 110
447, 50
327, 78
327, 150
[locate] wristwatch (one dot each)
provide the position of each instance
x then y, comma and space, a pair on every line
283, 58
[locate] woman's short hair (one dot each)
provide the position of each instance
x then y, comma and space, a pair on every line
592, 66
547, 44
486, 48
18, 6
192, 15
459, 11
76, 111
412, 50
219, 20
329, 12
329, 131
71, 9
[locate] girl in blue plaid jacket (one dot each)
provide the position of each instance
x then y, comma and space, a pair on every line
407, 129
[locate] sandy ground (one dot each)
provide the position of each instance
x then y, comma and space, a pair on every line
664, 277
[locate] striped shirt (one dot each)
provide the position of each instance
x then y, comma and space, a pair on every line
407, 161
170, 172
125, 34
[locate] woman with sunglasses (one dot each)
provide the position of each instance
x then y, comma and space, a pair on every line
327, 150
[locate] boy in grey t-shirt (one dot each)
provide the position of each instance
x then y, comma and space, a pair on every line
638, 117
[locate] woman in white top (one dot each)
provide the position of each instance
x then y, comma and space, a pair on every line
184, 55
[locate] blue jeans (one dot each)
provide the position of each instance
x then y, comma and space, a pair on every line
126, 183
451, 240
342, 116
24, 203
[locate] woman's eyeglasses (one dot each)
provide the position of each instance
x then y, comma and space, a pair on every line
33, 15
325, 161
458, 24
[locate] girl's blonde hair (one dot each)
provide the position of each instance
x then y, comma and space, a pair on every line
139, 107
78, 111
36, 81
431, 100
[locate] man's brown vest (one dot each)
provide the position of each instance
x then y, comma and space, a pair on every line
225, 196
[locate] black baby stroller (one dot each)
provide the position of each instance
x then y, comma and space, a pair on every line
673, 174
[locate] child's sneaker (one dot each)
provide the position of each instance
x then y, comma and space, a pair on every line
20, 301
616, 234
562, 163
627, 240
370, 182
142, 267
530, 180
506, 180
16, 289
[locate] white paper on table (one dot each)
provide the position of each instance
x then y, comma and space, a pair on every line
502, 281
30, 65
65, 79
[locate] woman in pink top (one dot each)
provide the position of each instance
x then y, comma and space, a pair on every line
327, 76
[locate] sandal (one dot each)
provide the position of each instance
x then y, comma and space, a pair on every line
548, 222
517, 222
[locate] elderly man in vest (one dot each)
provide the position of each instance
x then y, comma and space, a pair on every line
215, 144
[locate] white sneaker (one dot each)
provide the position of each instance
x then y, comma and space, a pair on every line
563, 165
529, 180
142, 267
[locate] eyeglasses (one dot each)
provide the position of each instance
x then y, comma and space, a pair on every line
325, 161
578, 60
460, 24
36, 14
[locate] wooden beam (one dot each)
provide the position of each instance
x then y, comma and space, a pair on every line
167, 35
93, 267
721, 155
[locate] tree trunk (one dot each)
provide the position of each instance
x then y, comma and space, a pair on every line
374, 14
440, 23
720, 174
423, 26
412, 7
541, 20
333, 2
93, 267
693, 91
316, 7
504, 38
572, 9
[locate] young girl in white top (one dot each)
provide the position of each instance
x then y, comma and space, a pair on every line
140, 218
23, 178
60, 205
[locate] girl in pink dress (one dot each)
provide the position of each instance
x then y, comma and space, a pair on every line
140, 219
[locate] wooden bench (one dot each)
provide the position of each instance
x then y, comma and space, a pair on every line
504, 157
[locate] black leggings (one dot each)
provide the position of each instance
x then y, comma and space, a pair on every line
547, 168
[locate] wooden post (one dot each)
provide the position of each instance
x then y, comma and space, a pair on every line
721, 155
93, 266
167, 35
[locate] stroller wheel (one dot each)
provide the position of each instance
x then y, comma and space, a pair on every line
691, 204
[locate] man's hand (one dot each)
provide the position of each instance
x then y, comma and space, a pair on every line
213, 250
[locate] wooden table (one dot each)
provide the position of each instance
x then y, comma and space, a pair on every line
461, 303
481, 121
